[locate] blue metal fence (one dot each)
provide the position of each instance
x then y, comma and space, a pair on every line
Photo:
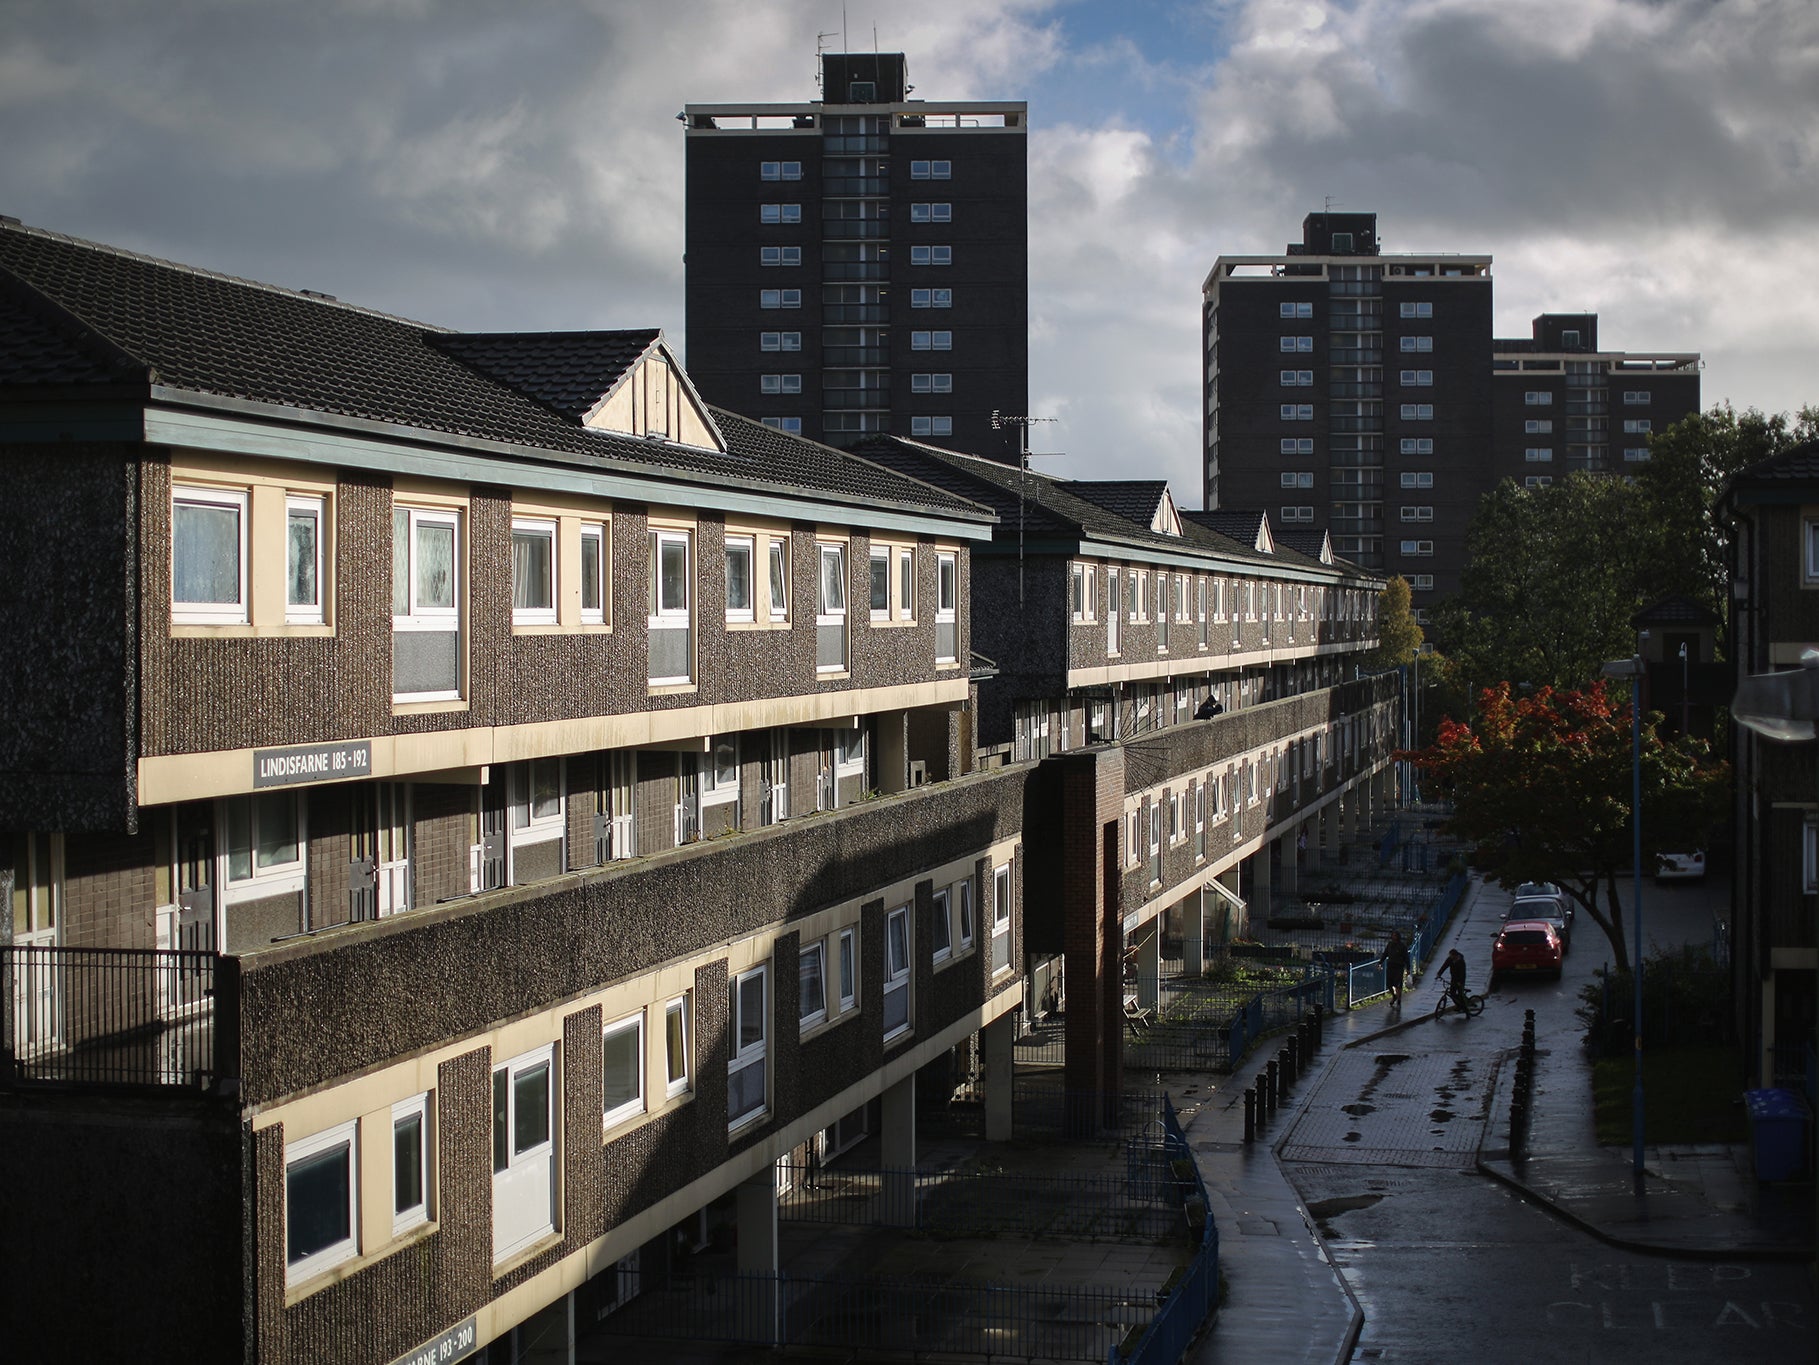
1371, 978
1264, 1014
1192, 1297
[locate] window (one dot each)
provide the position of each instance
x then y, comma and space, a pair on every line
881, 583
678, 1077
779, 584
906, 585
1001, 919
1424, 582
1538, 426
947, 593
1417, 547
1636, 397
1297, 514
535, 790
1297, 445
1417, 445
622, 1079
671, 620
1417, 514
1538, 454
792, 425
1538, 398
1417, 412
780, 170
208, 556
811, 986
1418, 379
1417, 343
1809, 857
849, 969
410, 1163
1296, 343
1537, 481
780, 341
1295, 310
303, 560
896, 972
931, 213
963, 903
931, 255
1569, 339
780, 383
739, 578
943, 947
1422, 309
931, 341
1080, 591
1113, 613
931, 170
1297, 379
593, 575
533, 572
931, 298
779, 255
830, 609
1810, 533
747, 1012
779, 298
263, 845
1636, 425
1417, 478
524, 1151
719, 772
1297, 412
779, 213
321, 1202
931, 383
1342, 241
1298, 478
931, 426
1635, 454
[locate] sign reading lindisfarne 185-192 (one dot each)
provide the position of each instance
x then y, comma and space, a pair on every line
312, 763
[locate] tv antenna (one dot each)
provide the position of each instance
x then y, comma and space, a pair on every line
1000, 421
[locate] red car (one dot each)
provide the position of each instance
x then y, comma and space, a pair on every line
1526, 947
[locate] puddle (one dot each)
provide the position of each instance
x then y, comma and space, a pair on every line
1441, 1115
1359, 1110
1354, 1136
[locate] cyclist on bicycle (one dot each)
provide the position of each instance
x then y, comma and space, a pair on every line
1454, 967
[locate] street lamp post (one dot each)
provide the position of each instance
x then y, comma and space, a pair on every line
1631, 668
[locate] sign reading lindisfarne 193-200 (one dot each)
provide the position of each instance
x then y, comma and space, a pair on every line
312, 763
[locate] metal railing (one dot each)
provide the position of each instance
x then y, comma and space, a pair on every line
117, 1016
1191, 1298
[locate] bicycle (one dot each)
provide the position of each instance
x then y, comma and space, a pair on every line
1471, 1006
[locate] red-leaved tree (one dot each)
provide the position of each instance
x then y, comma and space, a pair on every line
1541, 785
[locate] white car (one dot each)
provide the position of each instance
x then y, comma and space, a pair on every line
1679, 867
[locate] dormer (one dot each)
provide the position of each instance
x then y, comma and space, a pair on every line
655, 398
1167, 520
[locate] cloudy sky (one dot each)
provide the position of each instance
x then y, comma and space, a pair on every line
516, 164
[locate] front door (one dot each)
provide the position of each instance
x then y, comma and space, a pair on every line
495, 841
37, 916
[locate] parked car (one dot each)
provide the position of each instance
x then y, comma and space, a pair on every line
1680, 867
1529, 889
1527, 947
1547, 908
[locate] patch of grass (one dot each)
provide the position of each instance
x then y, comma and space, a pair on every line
1690, 1094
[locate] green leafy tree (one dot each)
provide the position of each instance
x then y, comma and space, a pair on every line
1680, 484
1541, 786
1550, 582
1399, 635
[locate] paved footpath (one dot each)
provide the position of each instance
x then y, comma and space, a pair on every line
1284, 1299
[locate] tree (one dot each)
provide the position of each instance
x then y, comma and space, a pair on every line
1550, 582
1541, 786
1687, 467
1399, 635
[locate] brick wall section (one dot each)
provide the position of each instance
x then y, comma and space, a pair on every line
109, 891
1091, 793
443, 835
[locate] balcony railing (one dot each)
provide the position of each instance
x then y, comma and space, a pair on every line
118, 1016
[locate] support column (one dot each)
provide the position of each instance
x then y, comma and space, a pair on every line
1091, 801
1193, 932
756, 1215
1291, 862
1329, 829
1000, 1034
1149, 965
1230, 879
1260, 881
897, 1152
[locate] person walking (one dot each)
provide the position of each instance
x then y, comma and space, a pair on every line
1395, 966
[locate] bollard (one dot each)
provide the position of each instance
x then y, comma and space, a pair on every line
1250, 1114
1270, 1090
1293, 1048
1304, 1032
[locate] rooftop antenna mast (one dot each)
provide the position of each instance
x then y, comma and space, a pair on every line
999, 422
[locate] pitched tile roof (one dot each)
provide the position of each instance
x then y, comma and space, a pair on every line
1677, 610
568, 372
1133, 499
125, 315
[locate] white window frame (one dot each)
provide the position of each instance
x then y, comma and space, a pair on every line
669, 615
905, 604
1538, 398
746, 547
314, 509
846, 959
816, 953
827, 613
780, 341
521, 801
1538, 426
1417, 478
1538, 454
1417, 343
940, 339
932, 212
1298, 309
1001, 917
1809, 856
776, 559
963, 901
779, 255
633, 1107
779, 298
1418, 379
274, 879
345, 1136
1417, 445
419, 1213
931, 254
212, 613
432, 619
674, 1085
780, 213
713, 791
518, 1179
878, 573
1417, 412
899, 957
779, 383
741, 1058
943, 947
594, 531
1417, 309
947, 596
540, 528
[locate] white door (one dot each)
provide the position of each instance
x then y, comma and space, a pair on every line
393, 851
524, 1151
776, 779
37, 913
